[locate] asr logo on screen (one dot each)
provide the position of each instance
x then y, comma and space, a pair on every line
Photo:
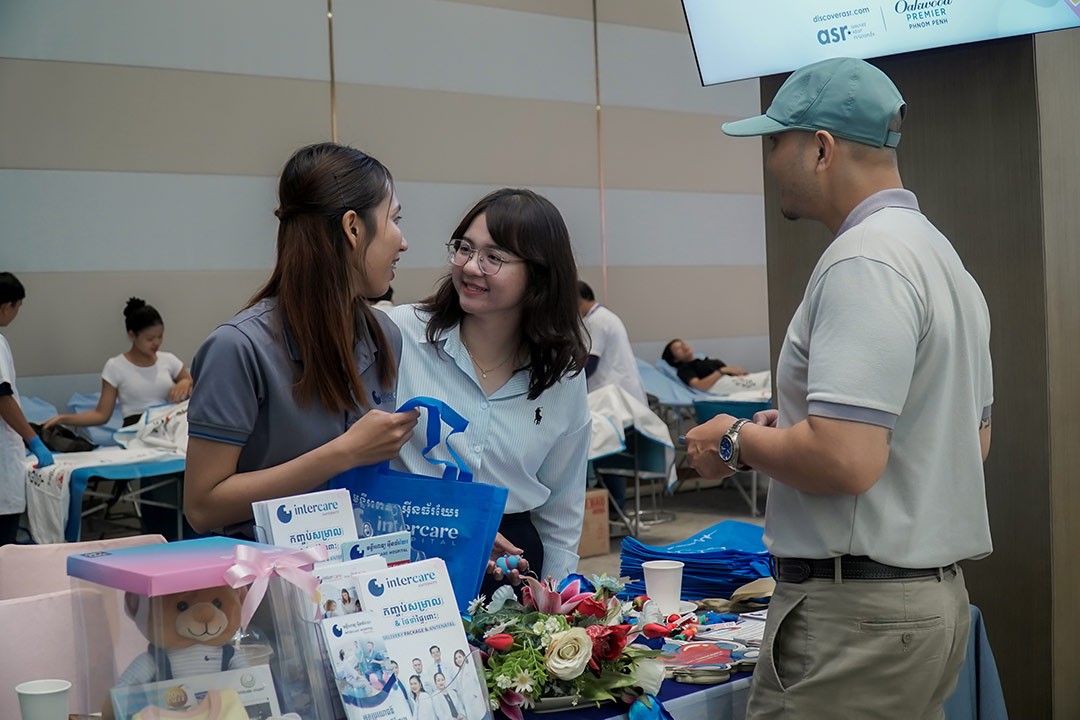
832, 35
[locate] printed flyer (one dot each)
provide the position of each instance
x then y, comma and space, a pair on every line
301, 521
367, 685
415, 613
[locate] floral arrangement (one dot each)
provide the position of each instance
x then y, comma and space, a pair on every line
566, 641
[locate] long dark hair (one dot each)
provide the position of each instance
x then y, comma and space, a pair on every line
529, 226
138, 316
311, 279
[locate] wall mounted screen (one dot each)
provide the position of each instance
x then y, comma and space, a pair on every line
753, 38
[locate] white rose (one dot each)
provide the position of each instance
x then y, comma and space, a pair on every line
649, 674
568, 653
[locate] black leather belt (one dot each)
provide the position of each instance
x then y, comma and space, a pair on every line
852, 567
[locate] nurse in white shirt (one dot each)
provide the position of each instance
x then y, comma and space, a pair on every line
139, 378
502, 343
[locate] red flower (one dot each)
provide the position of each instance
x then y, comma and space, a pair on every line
501, 642
608, 641
592, 607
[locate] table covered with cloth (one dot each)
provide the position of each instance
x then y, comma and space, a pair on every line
54, 495
977, 696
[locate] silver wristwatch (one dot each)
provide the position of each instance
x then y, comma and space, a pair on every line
729, 446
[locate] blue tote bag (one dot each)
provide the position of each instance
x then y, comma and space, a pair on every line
451, 517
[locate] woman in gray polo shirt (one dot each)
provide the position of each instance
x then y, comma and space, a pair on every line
299, 386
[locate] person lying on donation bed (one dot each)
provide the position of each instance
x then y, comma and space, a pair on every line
141, 377
294, 389
698, 373
501, 342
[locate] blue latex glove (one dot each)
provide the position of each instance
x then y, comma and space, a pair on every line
44, 457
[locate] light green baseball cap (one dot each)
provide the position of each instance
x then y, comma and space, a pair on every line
850, 98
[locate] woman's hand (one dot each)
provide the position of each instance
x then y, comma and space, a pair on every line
180, 391
54, 420
732, 370
505, 548
377, 436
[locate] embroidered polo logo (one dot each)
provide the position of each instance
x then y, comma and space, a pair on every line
538, 417
376, 397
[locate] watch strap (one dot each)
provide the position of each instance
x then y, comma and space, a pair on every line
736, 450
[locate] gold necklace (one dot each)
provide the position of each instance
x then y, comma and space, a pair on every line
483, 372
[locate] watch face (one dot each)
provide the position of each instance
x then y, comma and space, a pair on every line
726, 448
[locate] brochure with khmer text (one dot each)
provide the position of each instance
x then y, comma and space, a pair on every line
415, 614
300, 521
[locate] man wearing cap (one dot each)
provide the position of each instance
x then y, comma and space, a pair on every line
883, 423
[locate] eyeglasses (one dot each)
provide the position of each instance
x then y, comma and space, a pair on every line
460, 252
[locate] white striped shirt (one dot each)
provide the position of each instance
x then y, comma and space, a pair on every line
536, 449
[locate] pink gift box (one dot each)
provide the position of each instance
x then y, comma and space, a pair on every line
153, 570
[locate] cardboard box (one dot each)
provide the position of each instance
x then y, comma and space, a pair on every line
595, 539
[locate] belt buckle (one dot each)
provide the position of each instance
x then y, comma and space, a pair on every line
795, 570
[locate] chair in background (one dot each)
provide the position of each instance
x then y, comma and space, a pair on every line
643, 462
705, 410
62, 635
31, 570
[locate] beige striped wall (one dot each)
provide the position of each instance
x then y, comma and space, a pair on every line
141, 141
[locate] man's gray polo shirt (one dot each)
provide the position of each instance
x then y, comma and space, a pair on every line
892, 331
244, 375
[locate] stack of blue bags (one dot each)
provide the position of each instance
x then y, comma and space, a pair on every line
717, 561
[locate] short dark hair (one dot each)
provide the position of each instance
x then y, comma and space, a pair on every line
11, 290
585, 292
138, 316
668, 355
530, 226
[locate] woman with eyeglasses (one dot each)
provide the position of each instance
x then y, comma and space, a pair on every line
294, 389
502, 343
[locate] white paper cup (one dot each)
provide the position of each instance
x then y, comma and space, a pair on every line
43, 699
663, 583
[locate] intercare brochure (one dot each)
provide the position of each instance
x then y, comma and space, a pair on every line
300, 521
414, 613
366, 683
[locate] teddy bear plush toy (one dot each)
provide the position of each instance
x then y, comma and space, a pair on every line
189, 634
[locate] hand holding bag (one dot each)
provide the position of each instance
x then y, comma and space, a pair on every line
450, 517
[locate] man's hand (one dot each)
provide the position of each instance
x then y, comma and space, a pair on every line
702, 443
766, 418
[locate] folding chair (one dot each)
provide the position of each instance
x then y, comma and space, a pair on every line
643, 460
